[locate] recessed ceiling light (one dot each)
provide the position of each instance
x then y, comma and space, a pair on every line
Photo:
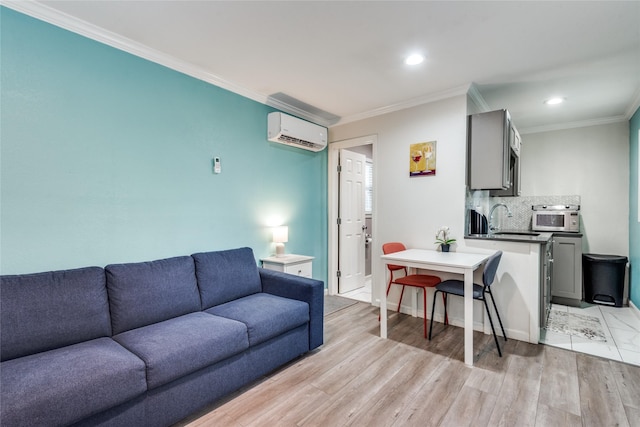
414, 59
554, 101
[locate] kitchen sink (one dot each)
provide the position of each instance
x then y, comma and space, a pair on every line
516, 233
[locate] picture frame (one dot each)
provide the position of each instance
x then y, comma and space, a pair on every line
422, 159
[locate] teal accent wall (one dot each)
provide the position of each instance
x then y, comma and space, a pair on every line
634, 225
107, 157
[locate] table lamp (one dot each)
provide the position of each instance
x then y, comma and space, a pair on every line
280, 237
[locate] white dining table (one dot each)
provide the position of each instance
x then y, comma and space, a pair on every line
451, 262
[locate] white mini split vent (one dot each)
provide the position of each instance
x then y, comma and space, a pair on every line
296, 132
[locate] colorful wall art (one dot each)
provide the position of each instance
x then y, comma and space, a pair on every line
422, 159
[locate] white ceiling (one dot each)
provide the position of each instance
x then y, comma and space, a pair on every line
339, 61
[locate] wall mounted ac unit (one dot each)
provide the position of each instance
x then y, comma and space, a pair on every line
290, 130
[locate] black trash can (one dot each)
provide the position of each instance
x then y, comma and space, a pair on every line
603, 278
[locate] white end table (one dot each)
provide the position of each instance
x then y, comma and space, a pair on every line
300, 265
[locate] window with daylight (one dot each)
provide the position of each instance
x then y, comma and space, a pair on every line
368, 188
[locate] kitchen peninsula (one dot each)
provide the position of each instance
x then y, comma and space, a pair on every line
524, 280
522, 284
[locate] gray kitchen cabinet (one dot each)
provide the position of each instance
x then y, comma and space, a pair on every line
514, 171
488, 146
566, 285
546, 273
493, 150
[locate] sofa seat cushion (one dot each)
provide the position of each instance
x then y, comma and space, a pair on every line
185, 344
265, 315
65, 385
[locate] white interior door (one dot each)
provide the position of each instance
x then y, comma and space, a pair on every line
351, 234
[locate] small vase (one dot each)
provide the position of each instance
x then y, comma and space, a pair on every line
444, 247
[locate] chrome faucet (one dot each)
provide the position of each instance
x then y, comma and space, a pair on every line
493, 208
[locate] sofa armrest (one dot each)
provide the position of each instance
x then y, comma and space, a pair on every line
304, 289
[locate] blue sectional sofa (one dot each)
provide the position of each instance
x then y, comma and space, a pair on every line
147, 344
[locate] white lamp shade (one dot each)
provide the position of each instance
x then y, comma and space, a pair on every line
280, 237
281, 234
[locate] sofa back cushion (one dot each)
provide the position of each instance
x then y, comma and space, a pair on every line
44, 311
149, 292
224, 276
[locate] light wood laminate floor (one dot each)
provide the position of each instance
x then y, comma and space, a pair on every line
358, 379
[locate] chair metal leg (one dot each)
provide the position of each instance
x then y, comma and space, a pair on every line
444, 301
401, 295
445, 296
504, 334
424, 306
433, 309
495, 337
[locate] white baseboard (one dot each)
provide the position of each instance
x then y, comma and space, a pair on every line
634, 309
477, 326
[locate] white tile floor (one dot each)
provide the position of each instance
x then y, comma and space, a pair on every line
621, 327
360, 294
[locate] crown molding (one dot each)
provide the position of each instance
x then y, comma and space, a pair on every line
633, 107
413, 102
573, 125
65, 21
298, 112
52, 16
477, 98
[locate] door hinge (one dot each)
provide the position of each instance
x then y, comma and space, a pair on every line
339, 168
338, 274
339, 221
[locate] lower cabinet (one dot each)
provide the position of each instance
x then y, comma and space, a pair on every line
566, 283
546, 272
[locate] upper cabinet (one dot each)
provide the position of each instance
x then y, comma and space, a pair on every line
493, 153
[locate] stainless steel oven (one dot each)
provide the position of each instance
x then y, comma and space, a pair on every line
564, 218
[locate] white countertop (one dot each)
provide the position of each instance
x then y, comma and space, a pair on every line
446, 259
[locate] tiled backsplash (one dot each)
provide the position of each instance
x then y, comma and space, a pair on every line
520, 207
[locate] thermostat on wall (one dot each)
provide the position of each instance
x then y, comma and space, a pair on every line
216, 165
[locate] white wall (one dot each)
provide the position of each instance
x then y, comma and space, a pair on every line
592, 162
412, 209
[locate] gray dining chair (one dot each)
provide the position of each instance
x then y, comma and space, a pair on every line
480, 292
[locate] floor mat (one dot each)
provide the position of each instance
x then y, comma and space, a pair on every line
574, 324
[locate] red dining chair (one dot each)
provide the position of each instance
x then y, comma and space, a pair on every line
423, 281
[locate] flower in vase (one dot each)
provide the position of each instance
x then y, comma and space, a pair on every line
442, 236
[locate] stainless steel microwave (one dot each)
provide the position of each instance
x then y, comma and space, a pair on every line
556, 218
